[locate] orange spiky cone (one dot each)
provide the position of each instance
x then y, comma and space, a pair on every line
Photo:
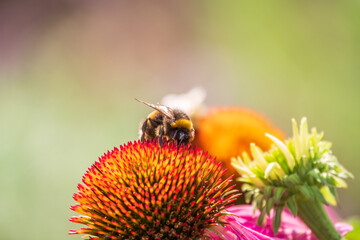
144, 191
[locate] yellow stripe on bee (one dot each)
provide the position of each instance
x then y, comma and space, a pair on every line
152, 114
182, 123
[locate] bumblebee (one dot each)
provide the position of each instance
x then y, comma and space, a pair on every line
168, 123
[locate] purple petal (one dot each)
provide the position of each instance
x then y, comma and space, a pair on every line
233, 230
292, 228
219, 233
343, 228
244, 232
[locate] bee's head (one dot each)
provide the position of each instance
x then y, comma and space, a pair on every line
184, 135
182, 131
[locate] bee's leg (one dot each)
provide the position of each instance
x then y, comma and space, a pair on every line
174, 136
143, 130
179, 143
161, 133
181, 138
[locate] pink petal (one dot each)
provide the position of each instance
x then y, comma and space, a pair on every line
234, 230
292, 228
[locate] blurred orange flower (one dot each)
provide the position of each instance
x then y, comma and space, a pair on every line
226, 132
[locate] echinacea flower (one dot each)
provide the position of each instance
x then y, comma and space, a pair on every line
226, 132
144, 191
300, 173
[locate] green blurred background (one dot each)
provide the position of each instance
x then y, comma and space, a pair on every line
70, 70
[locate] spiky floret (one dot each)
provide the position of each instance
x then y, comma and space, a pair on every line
144, 191
297, 171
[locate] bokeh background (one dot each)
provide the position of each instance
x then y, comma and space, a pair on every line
70, 70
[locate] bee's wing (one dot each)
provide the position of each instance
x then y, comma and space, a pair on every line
166, 111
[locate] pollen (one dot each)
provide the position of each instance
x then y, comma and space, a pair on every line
142, 190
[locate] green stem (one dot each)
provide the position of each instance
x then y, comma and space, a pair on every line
313, 214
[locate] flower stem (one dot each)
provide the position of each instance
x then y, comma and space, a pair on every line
313, 214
